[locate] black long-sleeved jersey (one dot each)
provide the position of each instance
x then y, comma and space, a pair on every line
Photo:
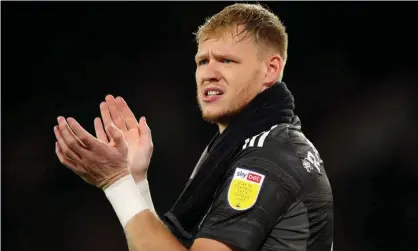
275, 196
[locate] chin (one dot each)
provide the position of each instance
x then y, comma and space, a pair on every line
211, 116
218, 117
222, 112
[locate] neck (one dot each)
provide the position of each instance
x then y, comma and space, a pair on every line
222, 127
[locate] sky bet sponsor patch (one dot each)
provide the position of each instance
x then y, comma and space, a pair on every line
244, 189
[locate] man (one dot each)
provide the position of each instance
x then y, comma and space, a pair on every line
259, 185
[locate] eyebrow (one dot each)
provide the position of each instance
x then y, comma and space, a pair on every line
216, 54
200, 55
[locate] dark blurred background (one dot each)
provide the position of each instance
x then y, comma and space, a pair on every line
352, 68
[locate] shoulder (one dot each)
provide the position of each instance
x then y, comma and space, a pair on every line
282, 151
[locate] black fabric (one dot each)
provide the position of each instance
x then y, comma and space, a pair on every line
249, 229
273, 106
293, 209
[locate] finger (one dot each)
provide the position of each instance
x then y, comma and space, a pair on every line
63, 158
100, 132
126, 112
68, 153
81, 134
115, 114
115, 134
71, 140
104, 111
145, 130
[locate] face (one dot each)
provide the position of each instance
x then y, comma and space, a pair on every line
229, 74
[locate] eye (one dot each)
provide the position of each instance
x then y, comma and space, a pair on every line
203, 62
227, 61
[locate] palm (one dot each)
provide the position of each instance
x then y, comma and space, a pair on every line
139, 151
136, 135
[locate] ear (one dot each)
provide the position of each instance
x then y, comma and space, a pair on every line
274, 66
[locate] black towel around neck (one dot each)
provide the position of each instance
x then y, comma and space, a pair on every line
273, 106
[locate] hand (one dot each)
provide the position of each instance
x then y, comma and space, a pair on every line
99, 163
137, 135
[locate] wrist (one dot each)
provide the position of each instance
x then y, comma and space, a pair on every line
143, 186
125, 198
144, 189
140, 177
109, 181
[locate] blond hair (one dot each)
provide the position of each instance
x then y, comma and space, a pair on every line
265, 27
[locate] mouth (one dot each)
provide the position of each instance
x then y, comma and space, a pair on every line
211, 94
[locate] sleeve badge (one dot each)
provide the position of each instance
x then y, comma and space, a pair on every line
244, 189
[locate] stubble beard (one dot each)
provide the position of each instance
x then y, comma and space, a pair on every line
236, 104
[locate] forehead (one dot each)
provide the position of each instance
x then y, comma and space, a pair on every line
227, 41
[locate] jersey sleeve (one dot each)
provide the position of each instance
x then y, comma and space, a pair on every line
258, 188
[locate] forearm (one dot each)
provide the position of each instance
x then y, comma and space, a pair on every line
144, 232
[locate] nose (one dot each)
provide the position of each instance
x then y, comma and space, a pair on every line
211, 73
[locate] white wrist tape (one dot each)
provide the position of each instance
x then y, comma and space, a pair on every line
125, 198
143, 187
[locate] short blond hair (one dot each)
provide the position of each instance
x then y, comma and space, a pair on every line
264, 26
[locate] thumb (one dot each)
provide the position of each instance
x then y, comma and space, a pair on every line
115, 134
144, 129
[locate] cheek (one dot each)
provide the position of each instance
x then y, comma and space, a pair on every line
246, 85
198, 79
197, 75
239, 79
232, 74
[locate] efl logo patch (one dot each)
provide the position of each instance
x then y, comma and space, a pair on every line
244, 189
